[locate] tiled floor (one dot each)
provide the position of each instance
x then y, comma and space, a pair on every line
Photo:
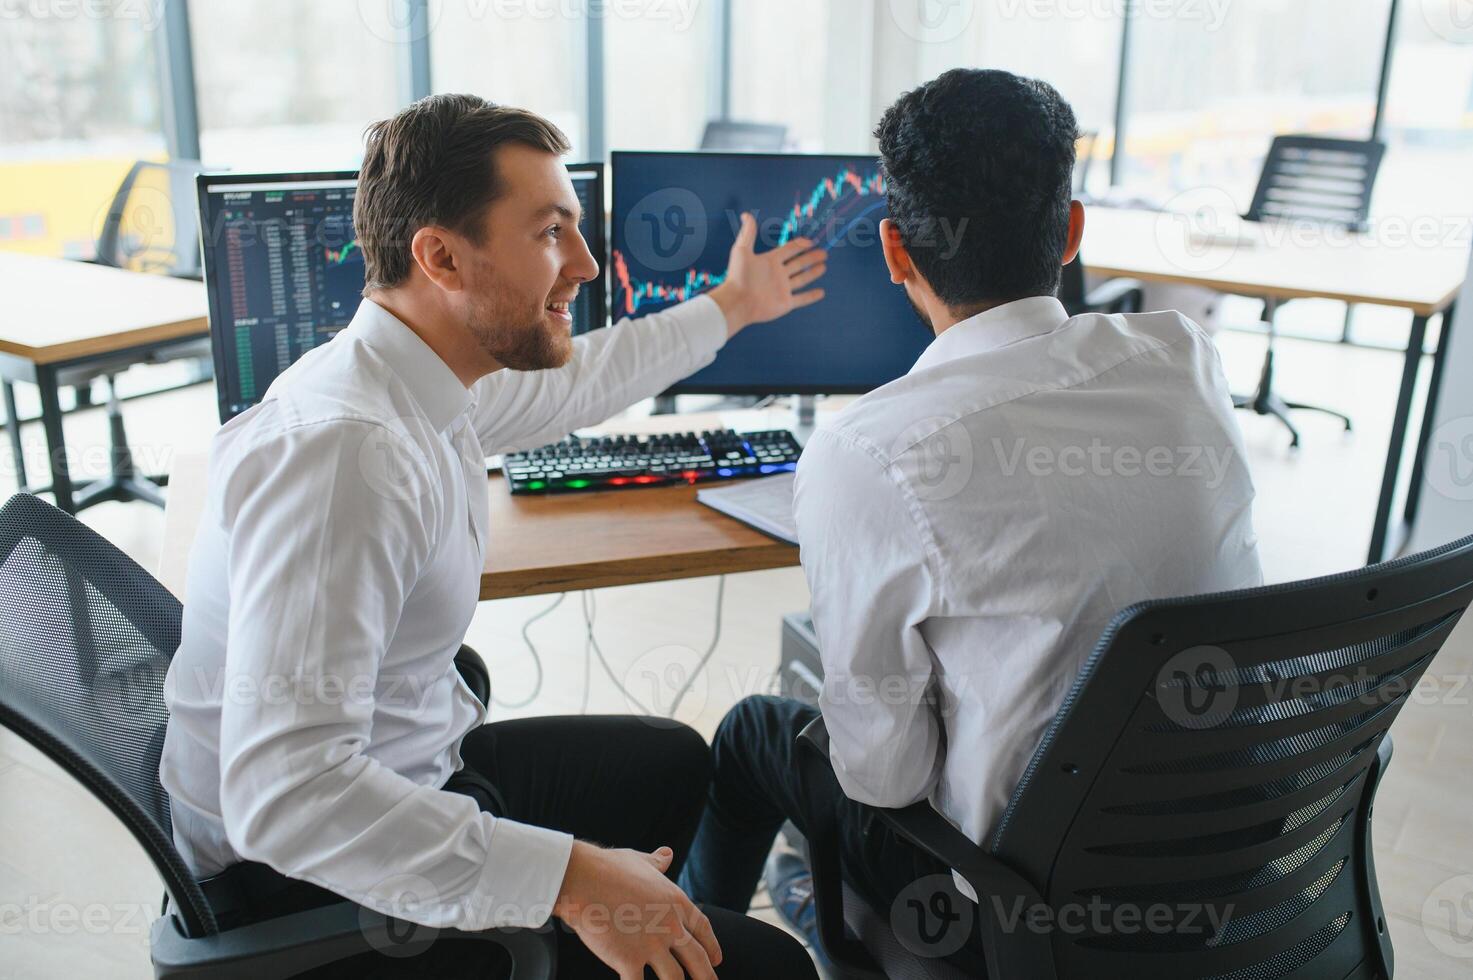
76, 894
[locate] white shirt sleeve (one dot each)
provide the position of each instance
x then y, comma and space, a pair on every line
317, 584
863, 550
610, 370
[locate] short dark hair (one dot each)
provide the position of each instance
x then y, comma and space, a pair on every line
433, 164
979, 174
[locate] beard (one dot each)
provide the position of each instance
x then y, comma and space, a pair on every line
518, 335
919, 312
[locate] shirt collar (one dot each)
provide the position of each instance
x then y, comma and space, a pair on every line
430, 381
993, 329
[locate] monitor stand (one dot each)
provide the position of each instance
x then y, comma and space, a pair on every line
665, 404
804, 412
803, 419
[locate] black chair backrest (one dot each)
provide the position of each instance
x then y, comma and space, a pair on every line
152, 224
86, 637
1316, 178
1215, 765
1072, 287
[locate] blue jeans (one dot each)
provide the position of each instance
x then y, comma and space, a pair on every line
755, 787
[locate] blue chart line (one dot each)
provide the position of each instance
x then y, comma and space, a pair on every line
816, 216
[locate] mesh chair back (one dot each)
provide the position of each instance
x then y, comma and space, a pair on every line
86, 637
152, 224
1201, 804
1318, 179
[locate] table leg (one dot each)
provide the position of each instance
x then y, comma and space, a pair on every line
17, 449
1410, 366
1429, 417
51, 421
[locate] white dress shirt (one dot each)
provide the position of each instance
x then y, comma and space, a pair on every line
968, 530
314, 705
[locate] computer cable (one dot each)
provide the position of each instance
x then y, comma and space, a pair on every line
589, 605
588, 652
588, 611
705, 657
536, 659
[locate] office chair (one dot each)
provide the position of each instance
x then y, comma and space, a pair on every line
1119, 295
1316, 179
151, 226
1216, 754
86, 637
726, 134
1084, 154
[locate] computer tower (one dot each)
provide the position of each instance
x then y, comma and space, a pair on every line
801, 672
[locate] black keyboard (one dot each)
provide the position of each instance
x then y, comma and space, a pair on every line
640, 461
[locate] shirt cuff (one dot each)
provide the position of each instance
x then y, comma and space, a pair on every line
703, 326
522, 876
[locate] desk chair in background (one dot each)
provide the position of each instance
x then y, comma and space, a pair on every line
86, 638
151, 226
1119, 295
1316, 179
1217, 752
1084, 154
727, 134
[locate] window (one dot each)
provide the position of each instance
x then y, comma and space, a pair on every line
660, 59
1428, 126
78, 105
1206, 94
530, 55
780, 60
1074, 46
289, 85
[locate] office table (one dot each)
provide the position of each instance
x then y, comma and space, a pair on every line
56, 314
555, 543
1290, 262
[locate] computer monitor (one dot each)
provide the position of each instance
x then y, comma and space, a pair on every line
591, 309
283, 271
674, 220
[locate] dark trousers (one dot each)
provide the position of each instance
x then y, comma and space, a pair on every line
755, 788
618, 781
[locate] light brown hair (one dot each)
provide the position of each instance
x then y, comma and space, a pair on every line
433, 163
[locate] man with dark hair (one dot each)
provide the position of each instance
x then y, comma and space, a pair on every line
969, 529
321, 742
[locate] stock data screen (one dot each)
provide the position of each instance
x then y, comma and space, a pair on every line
675, 217
589, 311
284, 273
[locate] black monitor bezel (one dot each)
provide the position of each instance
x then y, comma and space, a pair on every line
599, 247
208, 262
208, 265
681, 387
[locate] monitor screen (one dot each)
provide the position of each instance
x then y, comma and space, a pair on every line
284, 273
590, 309
674, 219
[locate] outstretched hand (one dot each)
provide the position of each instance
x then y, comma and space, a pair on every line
758, 288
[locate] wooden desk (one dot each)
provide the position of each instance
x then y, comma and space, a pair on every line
1280, 263
56, 314
557, 543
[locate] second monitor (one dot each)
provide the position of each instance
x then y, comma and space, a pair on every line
284, 273
674, 220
